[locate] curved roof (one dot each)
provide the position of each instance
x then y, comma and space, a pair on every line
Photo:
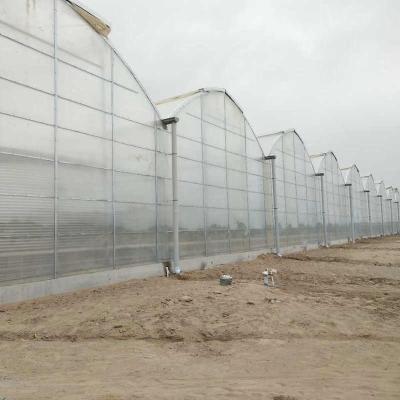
317, 160
348, 172
101, 28
389, 193
380, 189
268, 141
172, 106
369, 184
396, 195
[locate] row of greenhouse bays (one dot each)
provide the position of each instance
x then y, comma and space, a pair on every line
85, 166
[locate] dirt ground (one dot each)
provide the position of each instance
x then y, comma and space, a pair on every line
330, 330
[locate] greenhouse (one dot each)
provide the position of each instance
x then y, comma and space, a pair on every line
95, 179
220, 175
358, 202
334, 198
389, 222
396, 210
386, 214
297, 189
80, 196
374, 207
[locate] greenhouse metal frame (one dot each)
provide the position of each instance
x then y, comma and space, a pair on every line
98, 184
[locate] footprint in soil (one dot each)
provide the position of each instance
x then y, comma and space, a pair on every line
283, 397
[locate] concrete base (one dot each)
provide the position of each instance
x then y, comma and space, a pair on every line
32, 290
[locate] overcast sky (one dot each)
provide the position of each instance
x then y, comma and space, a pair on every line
328, 68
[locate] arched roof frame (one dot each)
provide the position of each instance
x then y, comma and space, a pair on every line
318, 161
348, 173
173, 106
380, 189
369, 184
102, 29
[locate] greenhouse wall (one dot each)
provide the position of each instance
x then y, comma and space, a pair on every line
221, 187
79, 147
335, 197
358, 201
389, 215
375, 207
297, 189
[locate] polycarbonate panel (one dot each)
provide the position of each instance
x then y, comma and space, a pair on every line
235, 143
134, 188
19, 136
84, 88
190, 194
216, 197
132, 105
29, 22
135, 218
133, 159
83, 149
237, 199
190, 170
123, 77
214, 156
79, 44
218, 241
135, 248
26, 239
84, 119
26, 65
236, 162
192, 219
214, 108
190, 126
217, 219
215, 176
234, 117
214, 135
133, 133
26, 176
86, 183
189, 149
237, 180
81, 217
24, 102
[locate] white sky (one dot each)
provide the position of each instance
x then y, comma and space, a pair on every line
328, 68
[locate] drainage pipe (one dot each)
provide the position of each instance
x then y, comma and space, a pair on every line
382, 221
175, 203
275, 204
369, 211
321, 175
349, 185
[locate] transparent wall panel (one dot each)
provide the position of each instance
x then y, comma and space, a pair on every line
80, 45
26, 239
30, 23
26, 66
17, 134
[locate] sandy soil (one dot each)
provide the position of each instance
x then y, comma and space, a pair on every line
330, 330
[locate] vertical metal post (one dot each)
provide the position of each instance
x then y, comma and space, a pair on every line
275, 205
398, 217
321, 175
55, 150
204, 172
391, 216
349, 185
175, 203
367, 192
112, 159
382, 220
